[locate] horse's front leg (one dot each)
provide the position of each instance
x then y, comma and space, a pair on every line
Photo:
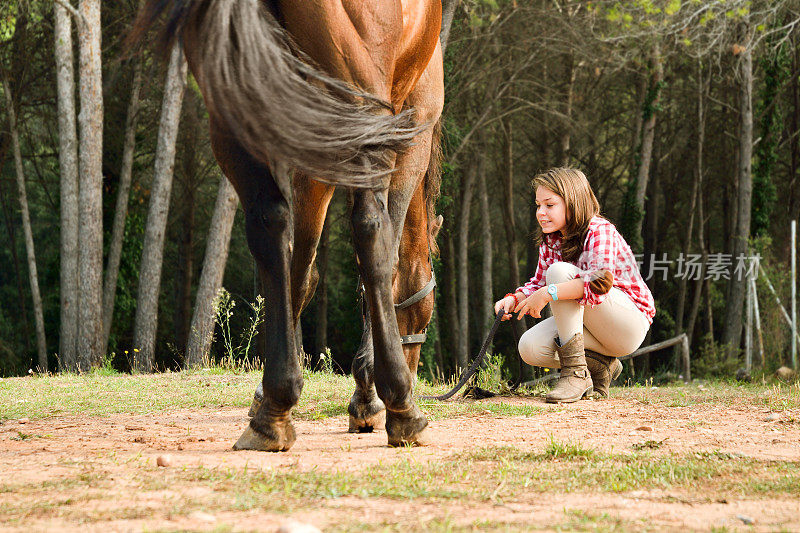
374, 242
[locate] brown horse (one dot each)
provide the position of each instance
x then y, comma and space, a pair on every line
303, 96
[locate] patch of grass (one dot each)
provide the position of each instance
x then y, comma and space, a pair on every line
101, 394
579, 520
28, 436
436, 410
567, 450
570, 466
647, 445
482, 476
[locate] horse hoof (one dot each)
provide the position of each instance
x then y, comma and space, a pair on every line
366, 416
279, 441
420, 439
368, 424
407, 430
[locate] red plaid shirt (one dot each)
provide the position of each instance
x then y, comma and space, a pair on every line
604, 249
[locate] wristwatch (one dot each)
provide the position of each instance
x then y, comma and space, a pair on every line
552, 291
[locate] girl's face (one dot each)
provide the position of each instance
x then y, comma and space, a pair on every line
551, 210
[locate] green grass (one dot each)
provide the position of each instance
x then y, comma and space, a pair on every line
478, 478
483, 476
103, 393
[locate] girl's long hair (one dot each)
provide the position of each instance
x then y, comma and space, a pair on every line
581, 203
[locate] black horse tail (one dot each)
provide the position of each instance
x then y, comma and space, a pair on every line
270, 97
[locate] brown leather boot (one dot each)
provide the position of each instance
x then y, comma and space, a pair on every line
575, 381
604, 370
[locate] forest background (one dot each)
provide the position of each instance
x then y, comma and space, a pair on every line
684, 115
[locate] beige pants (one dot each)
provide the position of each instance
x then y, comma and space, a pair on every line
616, 327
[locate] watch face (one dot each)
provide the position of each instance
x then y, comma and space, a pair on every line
551, 289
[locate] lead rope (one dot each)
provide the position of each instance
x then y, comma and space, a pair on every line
475, 365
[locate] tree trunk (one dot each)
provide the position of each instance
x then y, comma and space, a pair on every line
702, 93
144, 336
509, 215
188, 182
68, 166
794, 142
487, 296
183, 301
449, 292
41, 343
219, 237
121, 210
321, 333
566, 129
733, 315
12, 237
648, 138
448, 12
509, 220
463, 257
90, 200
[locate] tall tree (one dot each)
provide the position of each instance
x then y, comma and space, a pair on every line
636, 203
219, 237
448, 12
41, 343
90, 199
487, 295
144, 335
68, 168
732, 333
703, 83
121, 209
467, 186
321, 333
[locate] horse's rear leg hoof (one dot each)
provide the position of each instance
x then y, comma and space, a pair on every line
407, 428
366, 416
279, 439
368, 424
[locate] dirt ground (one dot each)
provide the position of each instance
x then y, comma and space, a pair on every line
114, 448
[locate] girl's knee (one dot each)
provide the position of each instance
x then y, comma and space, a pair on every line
560, 271
537, 348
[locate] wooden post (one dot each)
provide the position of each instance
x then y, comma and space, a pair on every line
758, 322
748, 326
794, 294
687, 366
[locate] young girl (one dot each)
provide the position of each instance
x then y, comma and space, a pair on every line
581, 257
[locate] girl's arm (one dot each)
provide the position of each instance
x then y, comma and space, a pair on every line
533, 304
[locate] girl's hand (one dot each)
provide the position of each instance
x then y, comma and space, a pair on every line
533, 304
506, 304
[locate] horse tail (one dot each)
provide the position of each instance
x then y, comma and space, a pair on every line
433, 182
270, 97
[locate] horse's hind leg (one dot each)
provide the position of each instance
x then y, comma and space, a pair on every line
427, 99
374, 242
268, 224
366, 410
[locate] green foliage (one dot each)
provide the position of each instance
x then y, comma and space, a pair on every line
631, 216
490, 376
237, 352
776, 65
712, 361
